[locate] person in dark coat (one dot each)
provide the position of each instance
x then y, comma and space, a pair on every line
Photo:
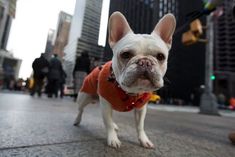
62, 83
40, 69
54, 76
81, 69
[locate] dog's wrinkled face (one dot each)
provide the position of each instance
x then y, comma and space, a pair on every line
140, 60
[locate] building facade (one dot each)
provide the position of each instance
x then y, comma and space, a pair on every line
49, 44
139, 14
224, 60
7, 13
83, 34
61, 34
9, 65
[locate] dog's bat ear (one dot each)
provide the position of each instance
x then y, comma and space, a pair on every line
118, 28
165, 28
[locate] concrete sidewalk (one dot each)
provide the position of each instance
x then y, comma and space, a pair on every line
189, 109
42, 127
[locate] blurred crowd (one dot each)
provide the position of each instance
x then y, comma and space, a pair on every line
49, 77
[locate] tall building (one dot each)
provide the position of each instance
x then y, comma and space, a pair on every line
9, 65
225, 51
62, 33
186, 64
83, 34
139, 14
7, 13
49, 43
162, 7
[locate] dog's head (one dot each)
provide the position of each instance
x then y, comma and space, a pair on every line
140, 60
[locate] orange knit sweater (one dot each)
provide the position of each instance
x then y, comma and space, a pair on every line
98, 82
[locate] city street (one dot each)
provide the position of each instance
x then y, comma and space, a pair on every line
43, 127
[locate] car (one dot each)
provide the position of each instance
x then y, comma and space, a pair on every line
154, 98
69, 91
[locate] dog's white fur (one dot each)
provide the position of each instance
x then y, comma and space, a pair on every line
144, 48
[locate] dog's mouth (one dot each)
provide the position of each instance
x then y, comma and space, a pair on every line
147, 80
144, 80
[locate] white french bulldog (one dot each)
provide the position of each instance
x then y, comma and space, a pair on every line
138, 65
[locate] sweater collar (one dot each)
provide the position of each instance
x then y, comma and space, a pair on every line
112, 79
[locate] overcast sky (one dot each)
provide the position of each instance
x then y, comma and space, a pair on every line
29, 29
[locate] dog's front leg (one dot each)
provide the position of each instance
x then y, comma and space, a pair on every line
112, 138
139, 119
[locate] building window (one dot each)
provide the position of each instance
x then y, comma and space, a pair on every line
160, 6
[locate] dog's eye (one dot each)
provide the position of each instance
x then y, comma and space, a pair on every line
160, 57
126, 55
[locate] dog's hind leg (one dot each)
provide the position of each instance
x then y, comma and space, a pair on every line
83, 99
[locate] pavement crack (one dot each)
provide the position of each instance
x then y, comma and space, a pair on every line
48, 144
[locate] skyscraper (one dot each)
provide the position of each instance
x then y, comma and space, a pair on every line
139, 14
8, 64
186, 64
49, 44
84, 33
7, 13
62, 33
225, 51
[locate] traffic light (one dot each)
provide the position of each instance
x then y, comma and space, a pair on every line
193, 35
189, 38
196, 27
212, 77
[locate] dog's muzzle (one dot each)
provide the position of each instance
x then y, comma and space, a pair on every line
145, 64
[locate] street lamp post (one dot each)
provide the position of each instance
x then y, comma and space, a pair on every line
208, 103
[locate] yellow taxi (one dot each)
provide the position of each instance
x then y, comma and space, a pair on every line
155, 98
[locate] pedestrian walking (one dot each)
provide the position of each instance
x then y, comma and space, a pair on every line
62, 83
81, 69
40, 70
54, 76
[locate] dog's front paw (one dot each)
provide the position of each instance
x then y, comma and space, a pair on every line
116, 128
144, 141
113, 140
